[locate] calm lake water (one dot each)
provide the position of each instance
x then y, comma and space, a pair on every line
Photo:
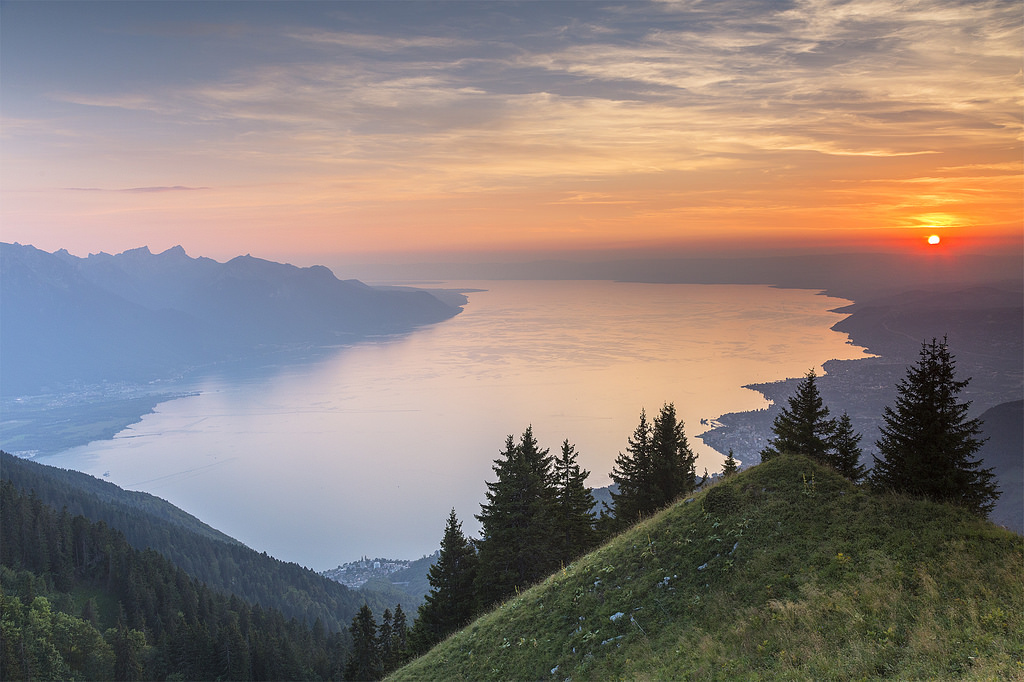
366, 450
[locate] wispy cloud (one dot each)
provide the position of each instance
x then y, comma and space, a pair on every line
137, 190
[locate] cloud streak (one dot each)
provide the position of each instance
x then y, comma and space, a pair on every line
138, 190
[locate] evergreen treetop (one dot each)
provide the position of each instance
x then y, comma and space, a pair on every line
928, 443
574, 520
730, 466
803, 427
451, 602
364, 662
518, 521
632, 472
844, 450
657, 467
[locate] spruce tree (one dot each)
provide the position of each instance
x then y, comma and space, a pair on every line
730, 466
673, 463
632, 473
658, 467
385, 640
399, 640
928, 444
450, 604
516, 547
803, 428
574, 502
364, 659
844, 452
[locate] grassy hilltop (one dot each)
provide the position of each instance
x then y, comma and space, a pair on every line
785, 571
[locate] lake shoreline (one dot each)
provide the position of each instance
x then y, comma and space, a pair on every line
981, 323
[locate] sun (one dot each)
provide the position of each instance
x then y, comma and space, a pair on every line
934, 239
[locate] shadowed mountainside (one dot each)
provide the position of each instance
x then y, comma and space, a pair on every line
1004, 452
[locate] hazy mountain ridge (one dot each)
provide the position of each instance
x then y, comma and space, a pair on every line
139, 316
785, 571
58, 327
857, 276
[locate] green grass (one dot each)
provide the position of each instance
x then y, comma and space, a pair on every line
786, 571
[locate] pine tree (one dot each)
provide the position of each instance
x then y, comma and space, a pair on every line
385, 640
399, 640
632, 473
731, 466
673, 463
516, 547
451, 602
658, 467
575, 520
928, 443
364, 659
844, 451
804, 428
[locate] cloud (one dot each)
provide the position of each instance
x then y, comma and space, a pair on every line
137, 190
378, 42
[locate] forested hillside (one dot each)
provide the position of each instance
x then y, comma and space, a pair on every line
78, 602
213, 558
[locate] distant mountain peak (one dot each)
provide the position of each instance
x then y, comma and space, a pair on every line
176, 251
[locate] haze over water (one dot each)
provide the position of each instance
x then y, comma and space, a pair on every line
366, 450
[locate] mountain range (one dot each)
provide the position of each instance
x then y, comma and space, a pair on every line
138, 317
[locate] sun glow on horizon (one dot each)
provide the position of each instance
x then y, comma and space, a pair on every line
934, 239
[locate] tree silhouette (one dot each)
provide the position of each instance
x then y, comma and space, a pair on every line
451, 602
632, 473
844, 452
516, 547
804, 426
574, 519
657, 467
730, 466
364, 659
928, 443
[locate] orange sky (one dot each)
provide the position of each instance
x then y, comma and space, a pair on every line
372, 132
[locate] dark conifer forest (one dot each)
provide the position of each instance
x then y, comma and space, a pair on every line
79, 602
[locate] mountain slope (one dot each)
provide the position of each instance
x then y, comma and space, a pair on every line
785, 571
1004, 429
77, 602
217, 560
58, 327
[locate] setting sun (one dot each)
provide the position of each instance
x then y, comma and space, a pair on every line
934, 239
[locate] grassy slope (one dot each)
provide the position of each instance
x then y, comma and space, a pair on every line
791, 573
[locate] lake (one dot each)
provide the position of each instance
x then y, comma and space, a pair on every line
365, 451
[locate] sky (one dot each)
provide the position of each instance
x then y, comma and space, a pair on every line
394, 131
